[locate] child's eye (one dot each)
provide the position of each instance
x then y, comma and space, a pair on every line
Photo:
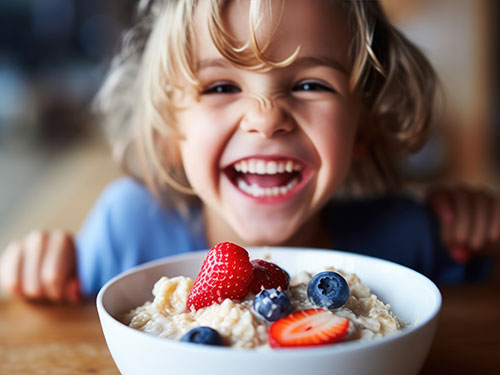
222, 88
312, 86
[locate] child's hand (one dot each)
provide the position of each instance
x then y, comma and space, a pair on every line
469, 218
42, 266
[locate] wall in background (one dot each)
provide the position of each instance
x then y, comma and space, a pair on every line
460, 37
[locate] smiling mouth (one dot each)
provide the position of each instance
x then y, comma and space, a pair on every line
266, 178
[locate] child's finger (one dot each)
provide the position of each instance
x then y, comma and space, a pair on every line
479, 220
494, 229
441, 205
462, 225
34, 249
11, 268
58, 266
72, 291
460, 254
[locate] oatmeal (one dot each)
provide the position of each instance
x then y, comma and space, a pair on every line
167, 316
239, 324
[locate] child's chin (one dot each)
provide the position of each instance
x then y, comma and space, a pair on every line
266, 236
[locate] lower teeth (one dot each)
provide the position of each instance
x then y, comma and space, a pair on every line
257, 191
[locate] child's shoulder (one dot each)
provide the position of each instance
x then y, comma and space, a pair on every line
126, 199
126, 195
388, 208
125, 188
127, 210
397, 228
378, 224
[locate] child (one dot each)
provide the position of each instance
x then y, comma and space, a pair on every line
247, 121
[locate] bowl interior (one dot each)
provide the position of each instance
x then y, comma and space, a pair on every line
413, 297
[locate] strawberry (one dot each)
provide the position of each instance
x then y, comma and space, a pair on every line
226, 272
308, 328
267, 275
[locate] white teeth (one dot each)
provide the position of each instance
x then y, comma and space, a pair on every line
251, 166
263, 167
260, 167
271, 167
257, 191
267, 167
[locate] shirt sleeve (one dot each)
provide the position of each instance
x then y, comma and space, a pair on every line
127, 227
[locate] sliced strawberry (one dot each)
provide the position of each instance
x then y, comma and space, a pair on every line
308, 328
267, 275
226, 273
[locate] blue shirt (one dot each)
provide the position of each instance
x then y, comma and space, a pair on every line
127, 227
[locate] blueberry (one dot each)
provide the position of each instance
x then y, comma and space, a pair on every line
203, 335
272, 304
328, 290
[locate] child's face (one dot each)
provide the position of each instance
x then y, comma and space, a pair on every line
302, 117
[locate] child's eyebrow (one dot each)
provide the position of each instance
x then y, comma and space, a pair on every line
217, 62
324, 60
302, 61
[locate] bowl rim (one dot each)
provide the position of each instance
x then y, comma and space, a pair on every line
281, 352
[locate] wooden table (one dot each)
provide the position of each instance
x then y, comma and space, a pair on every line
468, 336
45, 339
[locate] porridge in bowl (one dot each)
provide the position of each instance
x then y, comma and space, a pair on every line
255, 304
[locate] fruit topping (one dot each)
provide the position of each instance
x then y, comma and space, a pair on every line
267, 275
226, 272
203, 335
328, 290
308, 328
272, 304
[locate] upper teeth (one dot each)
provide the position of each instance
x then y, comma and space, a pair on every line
266, 167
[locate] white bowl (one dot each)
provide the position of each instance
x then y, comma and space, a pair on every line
413, 298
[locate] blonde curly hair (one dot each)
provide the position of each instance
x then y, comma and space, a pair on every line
138, 99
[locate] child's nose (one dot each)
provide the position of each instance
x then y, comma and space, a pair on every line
267, 119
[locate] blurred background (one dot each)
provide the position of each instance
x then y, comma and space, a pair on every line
53, 161
54, 53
